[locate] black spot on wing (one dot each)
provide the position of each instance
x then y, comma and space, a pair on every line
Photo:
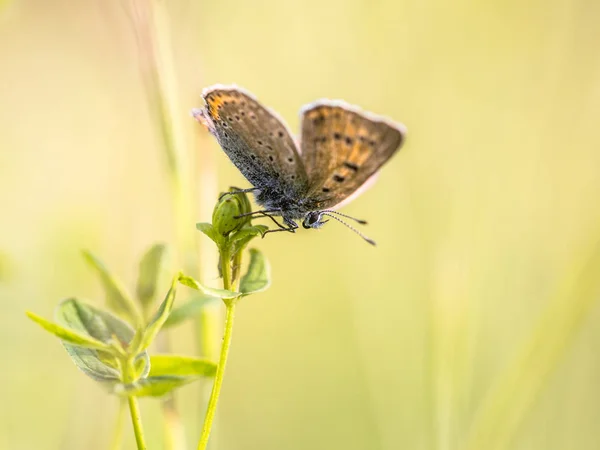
351, 166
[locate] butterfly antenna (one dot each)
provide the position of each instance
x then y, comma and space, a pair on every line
362, 222
369, 240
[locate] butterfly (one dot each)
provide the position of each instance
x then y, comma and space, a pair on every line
340, 152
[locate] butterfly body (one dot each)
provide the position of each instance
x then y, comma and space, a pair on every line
340, 149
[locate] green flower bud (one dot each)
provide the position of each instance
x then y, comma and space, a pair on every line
227, 209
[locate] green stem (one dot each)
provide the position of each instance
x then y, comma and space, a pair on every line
216, 390
226, 267
134, 408
136, 420
229, 316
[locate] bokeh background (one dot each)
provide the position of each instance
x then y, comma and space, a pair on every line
473, 324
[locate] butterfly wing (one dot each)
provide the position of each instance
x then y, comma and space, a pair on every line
254, 138
342, 148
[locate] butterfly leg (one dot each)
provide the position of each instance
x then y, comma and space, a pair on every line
261, 212
281, 227
264, 213
291, 226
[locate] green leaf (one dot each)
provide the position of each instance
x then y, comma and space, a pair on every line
103, 326
91, 337
219, 293
97, 323
117, 298
142, 365
153, 386
150, 268
210, 231
108, 359
258, 277
67, 335
136, 342
161, 365
249, 231
188, 310
240, 239
100, 368
98, 365
160, 317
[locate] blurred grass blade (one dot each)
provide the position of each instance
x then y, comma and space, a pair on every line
119, 425
188, 310
6, 269
181, 366
160, 317
151, 266
117, 298
518, 388
67, 335
153, 386
258, 277
151, 25
219, 293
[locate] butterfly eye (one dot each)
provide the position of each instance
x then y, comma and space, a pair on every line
311, 220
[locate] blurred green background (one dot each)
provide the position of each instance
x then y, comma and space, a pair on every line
473, 323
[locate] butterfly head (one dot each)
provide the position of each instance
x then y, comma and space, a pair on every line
314, 219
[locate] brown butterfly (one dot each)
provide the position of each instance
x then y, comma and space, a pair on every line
341, 149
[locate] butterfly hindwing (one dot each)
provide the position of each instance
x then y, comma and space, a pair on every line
342, 148
254, 138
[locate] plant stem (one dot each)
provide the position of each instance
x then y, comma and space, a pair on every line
136, 420
216, 390
134, 409
226, 269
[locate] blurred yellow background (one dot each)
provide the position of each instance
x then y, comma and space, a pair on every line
472, 324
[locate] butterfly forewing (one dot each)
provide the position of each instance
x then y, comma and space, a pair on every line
342, 148
256, 141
